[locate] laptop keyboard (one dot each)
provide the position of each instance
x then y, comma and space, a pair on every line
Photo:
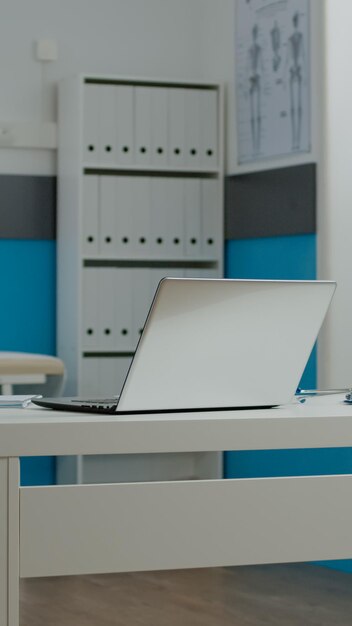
102, 405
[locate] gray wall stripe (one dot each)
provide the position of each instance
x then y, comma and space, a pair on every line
271, 203
27, 207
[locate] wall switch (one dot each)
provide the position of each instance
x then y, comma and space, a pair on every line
46, 50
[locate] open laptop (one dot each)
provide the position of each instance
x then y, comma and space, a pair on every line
217, 344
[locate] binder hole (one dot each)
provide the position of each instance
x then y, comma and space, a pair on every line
108, 148
140, 331
107, 331
193, 240
90, 148
176, 240
193, 151
108, 239
125, 149
160, 150
209, 152
210, 241
90, 239
89, 331
159, 240
142, 240
125, 239
177, 151
143, 149
124, 331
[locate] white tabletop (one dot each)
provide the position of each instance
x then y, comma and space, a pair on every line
319, 422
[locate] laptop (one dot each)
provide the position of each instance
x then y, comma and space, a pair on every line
211, 344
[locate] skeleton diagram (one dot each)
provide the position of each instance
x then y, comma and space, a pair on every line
275, 44
295, 61
255, 61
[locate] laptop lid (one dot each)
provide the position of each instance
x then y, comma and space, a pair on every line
217, 343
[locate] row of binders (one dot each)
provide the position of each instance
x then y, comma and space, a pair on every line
151, 217
116, 302
127, 125
103, 376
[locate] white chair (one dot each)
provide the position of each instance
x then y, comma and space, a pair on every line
31, 373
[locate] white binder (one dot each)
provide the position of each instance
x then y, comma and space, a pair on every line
107, 239
107, 125
159, 206
107, 331
176, 138
112, 374
192, 118
90, 306
126, 230
208, 99
90, 210
124, 125
159, 125
143, 128
192, 200
89, 379
201, 272
210, 218
123, 308
141, 216
175, 213
103, 376
91, 115
141, 298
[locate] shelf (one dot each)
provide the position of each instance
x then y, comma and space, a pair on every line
147, 82
150, 170
111, 353
150, 261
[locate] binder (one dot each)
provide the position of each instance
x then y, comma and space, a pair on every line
90, 209
107, 239
124, 125
159, 125
107, 331
112, 372
143, 101
123, 309
176, 138
192, 200
141, 216
90, 306
91, 115
107, 125
89, 379
160, 245
175, 215
125, 227
141, 298
210, 218
209, 128
192, 125
201, 272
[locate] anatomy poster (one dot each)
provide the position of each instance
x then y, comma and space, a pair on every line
272, 78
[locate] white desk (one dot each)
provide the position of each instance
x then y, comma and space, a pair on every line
56, 530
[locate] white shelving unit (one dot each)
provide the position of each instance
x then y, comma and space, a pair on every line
140, 192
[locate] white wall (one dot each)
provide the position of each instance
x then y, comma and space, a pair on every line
160, 38
335, 217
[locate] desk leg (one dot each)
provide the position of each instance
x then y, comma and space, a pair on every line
9, 542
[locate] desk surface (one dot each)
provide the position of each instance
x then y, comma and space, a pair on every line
319, 422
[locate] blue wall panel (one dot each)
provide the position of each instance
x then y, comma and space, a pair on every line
28, 317
291, 257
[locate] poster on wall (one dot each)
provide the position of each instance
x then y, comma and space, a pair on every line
272, 61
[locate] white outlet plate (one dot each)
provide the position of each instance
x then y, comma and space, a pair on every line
28, 135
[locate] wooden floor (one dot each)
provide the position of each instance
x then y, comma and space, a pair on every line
289, 595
